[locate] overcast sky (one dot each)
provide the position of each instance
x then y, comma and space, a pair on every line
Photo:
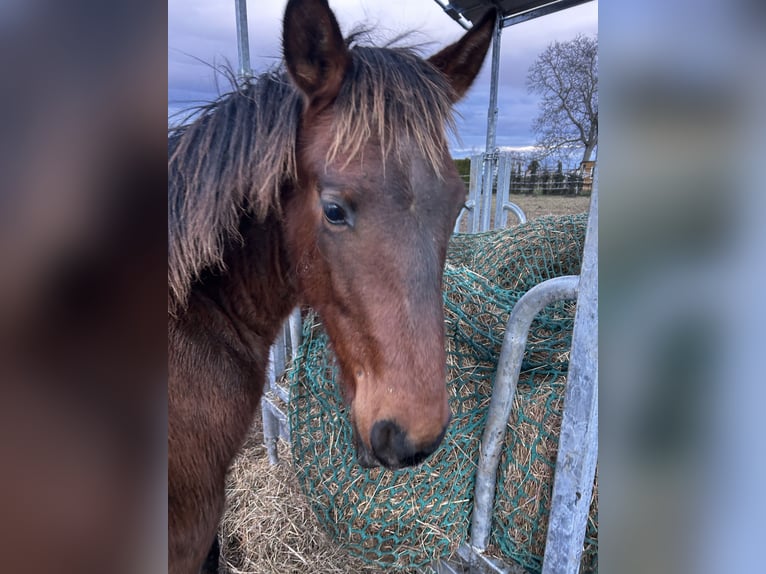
202, 32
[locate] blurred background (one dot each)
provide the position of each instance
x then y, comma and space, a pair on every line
681, 161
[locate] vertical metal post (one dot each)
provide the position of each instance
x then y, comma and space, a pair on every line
493, 86
474, 194
503, 190
296, 326
578, 443
490, 157
243, 41
270, 423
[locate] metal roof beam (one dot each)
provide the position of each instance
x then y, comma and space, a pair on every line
455, 14
513, 11
556, 6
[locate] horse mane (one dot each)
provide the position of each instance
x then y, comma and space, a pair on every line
239, 152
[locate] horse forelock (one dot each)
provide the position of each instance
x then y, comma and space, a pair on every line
240, 151
395, 97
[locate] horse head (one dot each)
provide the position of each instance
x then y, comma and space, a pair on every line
369, 217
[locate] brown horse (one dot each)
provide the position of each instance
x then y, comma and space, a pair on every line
330, 185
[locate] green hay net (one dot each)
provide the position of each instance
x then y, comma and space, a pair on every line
406, 519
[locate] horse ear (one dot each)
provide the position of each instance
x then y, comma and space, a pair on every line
461, 61
314, 50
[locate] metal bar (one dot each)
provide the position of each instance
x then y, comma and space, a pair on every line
467, 208
243, 40
283, 393
279, 352
510, 19
578, 443
556, 6
493, 86
270, 431
482, 564
503, 189
486, 195
271, 373
490, 155
446, 567
455, 14
474, 193
509, 366
510, 206
275, 421
295, 322
275, 426
283, 428
269, 421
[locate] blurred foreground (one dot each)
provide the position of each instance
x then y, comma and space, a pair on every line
683, 139
82, 286
83, 252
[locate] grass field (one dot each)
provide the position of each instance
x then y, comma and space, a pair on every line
539, 205
535, 206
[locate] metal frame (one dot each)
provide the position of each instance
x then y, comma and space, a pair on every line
477, 208
275, 421
578, 441
503, 203
503, 391
472, 558
490, 151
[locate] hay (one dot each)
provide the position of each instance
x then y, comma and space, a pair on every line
382, 520
268, 526
518, 258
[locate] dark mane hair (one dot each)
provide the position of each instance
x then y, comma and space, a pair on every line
239, 151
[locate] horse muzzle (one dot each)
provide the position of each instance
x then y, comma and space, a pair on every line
391, 448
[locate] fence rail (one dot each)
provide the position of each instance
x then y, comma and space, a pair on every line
544, 182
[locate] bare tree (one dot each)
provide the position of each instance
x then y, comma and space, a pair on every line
566, 75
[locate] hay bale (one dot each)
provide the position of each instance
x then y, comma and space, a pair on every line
520, 257
401, 520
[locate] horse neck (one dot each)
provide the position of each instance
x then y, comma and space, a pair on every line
253, 296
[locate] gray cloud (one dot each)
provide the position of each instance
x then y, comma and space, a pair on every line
202, 35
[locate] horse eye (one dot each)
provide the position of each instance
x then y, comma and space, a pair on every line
334, 213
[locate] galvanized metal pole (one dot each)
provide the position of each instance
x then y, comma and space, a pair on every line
578, 443
243, 41
490, 156
493, 87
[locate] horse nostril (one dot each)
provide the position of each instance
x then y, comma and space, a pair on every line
391, 447
387, 442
